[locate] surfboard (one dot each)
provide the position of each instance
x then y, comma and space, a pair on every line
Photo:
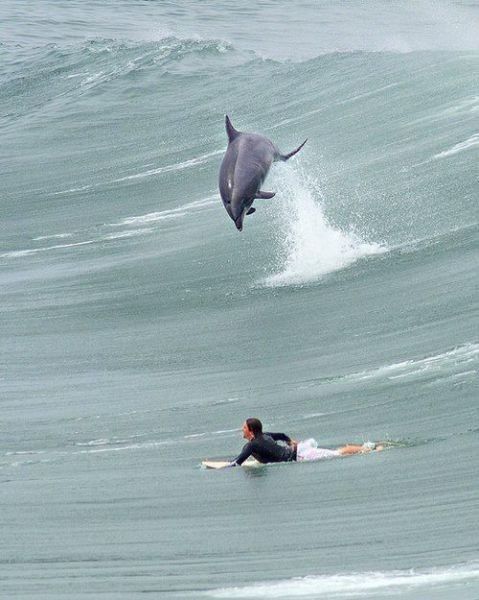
214, 464
251, 462
221, 464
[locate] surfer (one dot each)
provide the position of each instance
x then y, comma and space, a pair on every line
268, 447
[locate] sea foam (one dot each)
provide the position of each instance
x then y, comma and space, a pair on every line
445, 363
471, 142
309, 245
352, 585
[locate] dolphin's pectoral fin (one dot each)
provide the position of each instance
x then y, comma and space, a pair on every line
265, 195
230, 130
251, 211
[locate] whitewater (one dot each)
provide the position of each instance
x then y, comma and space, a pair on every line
139, 329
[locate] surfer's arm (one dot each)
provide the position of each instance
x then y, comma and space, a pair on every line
244, 454
280, 437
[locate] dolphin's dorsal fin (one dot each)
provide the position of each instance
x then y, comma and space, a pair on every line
251, 211
230, 130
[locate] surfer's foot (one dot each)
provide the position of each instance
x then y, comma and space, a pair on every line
368, 446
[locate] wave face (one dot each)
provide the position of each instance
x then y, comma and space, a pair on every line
139, 328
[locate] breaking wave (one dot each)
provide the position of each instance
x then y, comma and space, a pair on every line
353, 584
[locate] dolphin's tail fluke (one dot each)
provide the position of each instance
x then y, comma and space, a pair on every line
287, 156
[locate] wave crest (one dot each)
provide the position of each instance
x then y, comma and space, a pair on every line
345, 585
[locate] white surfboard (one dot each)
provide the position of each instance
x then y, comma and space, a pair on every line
251, 462
221, 464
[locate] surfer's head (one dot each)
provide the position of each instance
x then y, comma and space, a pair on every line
251, 428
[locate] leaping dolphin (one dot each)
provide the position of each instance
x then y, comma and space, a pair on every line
245, 165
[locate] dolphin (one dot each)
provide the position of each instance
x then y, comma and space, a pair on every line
245, 165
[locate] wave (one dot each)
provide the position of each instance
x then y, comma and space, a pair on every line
180, 166
471, 142
114, 447
29, 251
173, 213
353, 584
211, 433
52, 76
439, 364
459, 236
82, 188
193, 162
458, 363
127, 234
51, 237
309, 245
97, 60
55, 73
117, 445
105, 238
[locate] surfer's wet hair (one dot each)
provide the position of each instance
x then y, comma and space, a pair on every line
255, 426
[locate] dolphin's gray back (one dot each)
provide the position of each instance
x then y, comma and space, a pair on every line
244, 167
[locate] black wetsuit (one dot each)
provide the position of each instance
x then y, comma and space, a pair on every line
265, 449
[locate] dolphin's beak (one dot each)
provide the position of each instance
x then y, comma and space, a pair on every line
239, 222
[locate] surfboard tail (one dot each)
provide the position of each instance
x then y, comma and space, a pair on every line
288, 156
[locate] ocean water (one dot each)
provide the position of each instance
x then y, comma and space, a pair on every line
139, 328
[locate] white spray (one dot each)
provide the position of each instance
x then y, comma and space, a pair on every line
310, 247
